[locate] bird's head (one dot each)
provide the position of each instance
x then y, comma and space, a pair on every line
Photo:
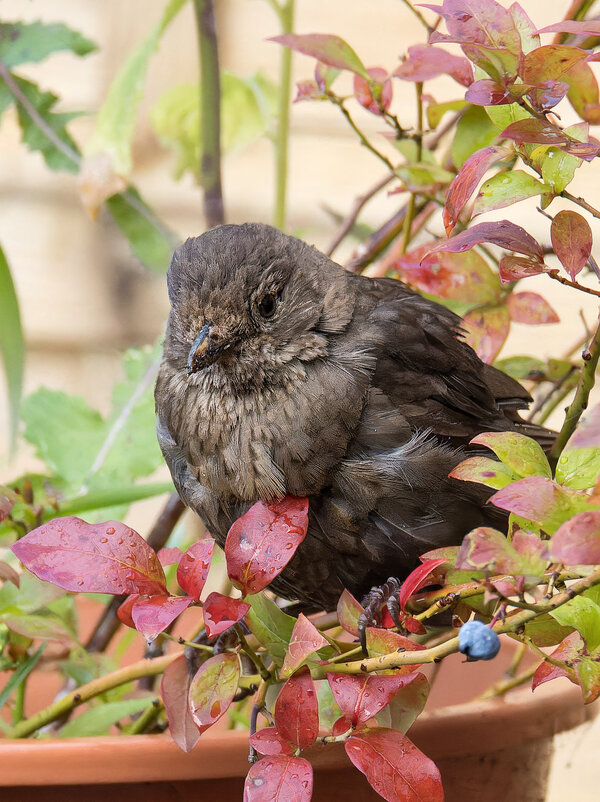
248, 299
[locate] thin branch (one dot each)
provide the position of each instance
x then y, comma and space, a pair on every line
358, 205
419, 16
210, 163
364, 141
580, 202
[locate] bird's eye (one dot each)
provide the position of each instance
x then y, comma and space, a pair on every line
266, 305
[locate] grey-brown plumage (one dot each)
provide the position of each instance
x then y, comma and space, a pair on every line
283, 373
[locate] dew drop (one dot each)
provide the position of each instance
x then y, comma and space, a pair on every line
103, 540
111, 531
120, 541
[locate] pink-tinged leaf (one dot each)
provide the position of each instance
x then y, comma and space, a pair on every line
529, 38
466, 181
328, 48
362, 698
486, 330
500, 63
296, 711
530, 308
549, 63
534, 131
486, 23
325, 76
376, 93
485, 471
586, 27
572, 241
269, 742
425, 62
502, 233
394, 766
125, 610
417, 579
261, 543
91, 558
348, 612
7, 502
523, 455
513, 268
569, 649
306, 640
548, 94
486, 548
487, 92
169, 556
279, 779
222, 612
38, 625
587, 434
154, 614
174, 689
534, 498
8, 573
213, 688
577, 541
381, 641
308, 90
194, 566
456, 276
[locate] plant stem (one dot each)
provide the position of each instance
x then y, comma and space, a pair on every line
19, 704
285, 12
580, 202
247, 649
359, 203
364, 141
554, 274
145, 719
584, 385
418, 15
503, 686
210, 104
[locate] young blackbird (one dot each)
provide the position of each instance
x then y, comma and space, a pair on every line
283, 373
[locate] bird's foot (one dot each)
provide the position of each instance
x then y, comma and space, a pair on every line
376, 598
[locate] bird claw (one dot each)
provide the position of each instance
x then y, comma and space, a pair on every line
376, 598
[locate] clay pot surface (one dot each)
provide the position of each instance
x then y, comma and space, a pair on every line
496, 749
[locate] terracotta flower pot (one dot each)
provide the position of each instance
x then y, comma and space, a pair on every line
492, 750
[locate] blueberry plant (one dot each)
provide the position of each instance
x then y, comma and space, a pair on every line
297, 680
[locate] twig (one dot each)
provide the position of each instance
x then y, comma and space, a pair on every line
210, 164
554, 274
359, 203
580, 202
586, 381
419, 16
503, 686
364, 141
249, 651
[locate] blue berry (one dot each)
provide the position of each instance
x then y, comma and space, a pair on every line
478, 641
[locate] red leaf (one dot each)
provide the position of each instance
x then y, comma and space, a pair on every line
368, 92
222, 612
169, 556
296, 711
328, 48
533, 497
425, 62
577, 541
213, 688
305, 640
587, 434
279, 779
534, 131
486, 331
91, 558
502, 233
174, 689
348, 612
571, 240
394, 766
513, 268
570, 649
416, 580
124, 611
486, 23
487, 92
587, 27
261, 543
463, 186
531, 308
154, 614
269, 742
361, 698
194, 566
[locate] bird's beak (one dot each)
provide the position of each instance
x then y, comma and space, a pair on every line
201, 351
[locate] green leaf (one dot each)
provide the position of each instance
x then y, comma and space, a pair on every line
485, 471
546, 631
116, 118
269, 625
31, 595
435, 111
506, 188
578, 468
88, 451
521, 367
99, 719
523, 455
151, 241
20, 674
473, 132
114, 495
44, 625
29, 43
12, 345
583, 614
42, 129
558, 168
503, 116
